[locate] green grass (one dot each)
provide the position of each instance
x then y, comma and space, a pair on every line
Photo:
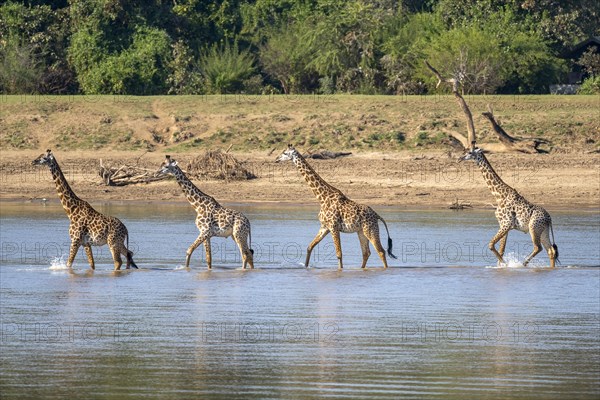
341, 122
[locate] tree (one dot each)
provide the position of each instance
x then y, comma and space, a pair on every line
140, 68
285, 56
37, 35
114, 51
472, 56
403, 47
20, 69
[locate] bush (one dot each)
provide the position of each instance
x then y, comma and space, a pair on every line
20, 69
139, 69
33, 42
184, 77
590, 86
285, 56
225, 68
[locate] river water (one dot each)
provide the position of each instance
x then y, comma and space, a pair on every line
444, 321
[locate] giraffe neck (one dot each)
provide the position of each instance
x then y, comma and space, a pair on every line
65, 193
195, 196
496, 185
321, 189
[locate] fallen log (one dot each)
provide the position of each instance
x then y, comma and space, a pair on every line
523, 145
127, 175
327, 155
459, 205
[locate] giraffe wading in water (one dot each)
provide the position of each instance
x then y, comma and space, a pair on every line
513, 211
339, 214
88, 227
212, 219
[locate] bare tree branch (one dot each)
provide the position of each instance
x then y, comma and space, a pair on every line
461, 101
524, 145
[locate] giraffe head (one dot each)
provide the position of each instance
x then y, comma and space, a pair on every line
288, 154
46, 158
473, 154
168, 166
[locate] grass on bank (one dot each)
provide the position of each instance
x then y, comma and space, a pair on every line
247, 123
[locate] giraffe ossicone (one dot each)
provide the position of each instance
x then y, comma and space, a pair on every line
87, 226
513, 211
212, 219
339, 214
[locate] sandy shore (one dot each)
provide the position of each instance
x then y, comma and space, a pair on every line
405, 179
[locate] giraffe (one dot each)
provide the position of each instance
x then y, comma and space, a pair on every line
513, 211
87, 226
212, 219
339, 214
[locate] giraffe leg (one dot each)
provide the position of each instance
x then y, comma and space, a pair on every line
492, 246
503, 245
188, 254
125, 252
338, 247
373, 236
545, 239
242, 242
320, 235
90, 256
208, 251
75, 243
537, 246
116, 253
364, 246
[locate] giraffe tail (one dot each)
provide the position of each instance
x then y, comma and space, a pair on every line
390, 244
554, 246
130, 255
250, 242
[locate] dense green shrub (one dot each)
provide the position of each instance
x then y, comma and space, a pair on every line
590, 86
33, 42
225, 68
20, 69
326, 46
139, 69
184, 76
285, 56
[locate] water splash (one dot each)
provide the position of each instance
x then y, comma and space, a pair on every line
511, 260
58, 263
179, 267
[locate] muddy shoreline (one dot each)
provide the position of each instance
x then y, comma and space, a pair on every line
402, 179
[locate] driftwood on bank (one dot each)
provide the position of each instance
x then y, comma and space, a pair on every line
459, 205
127, 175
326, 155
524, 145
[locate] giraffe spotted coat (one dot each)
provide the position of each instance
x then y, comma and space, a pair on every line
212, 219
87, 226
339, 214
513, 211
